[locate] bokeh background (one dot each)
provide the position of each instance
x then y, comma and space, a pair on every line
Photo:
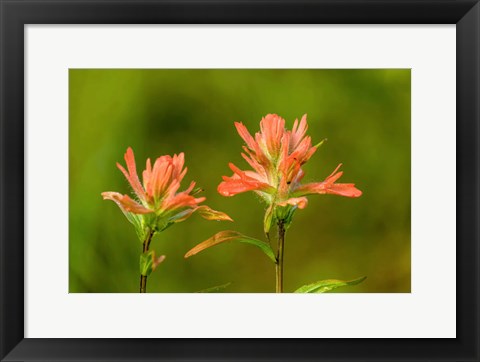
365, 114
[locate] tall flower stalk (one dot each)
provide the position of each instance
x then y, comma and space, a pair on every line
276, 157
158, 204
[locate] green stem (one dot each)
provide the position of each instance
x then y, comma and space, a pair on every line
279, 264
146, 245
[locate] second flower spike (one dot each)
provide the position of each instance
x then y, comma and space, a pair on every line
276, 156
158, 197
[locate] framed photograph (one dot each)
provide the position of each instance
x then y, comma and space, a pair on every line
290, 180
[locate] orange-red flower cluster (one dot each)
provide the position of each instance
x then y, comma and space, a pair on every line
276, 156
158, 194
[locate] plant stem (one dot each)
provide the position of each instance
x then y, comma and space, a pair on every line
146, 245
279, 264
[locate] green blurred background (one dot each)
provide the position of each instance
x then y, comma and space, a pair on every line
365, 114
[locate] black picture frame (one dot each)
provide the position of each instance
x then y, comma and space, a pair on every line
15, 14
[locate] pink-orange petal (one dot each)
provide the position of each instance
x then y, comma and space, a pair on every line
298, 132
182, 174
161, 175
172, 189
133, 206
247, 176
303, 151
246, 136
334, 171
181, 200
163, 178
272, 127
301, 202
111, 195
284, 162
253, 162
190, 188
347, 190
178, 161
132, 170
147, 174
126, 203
233, 187
332, 179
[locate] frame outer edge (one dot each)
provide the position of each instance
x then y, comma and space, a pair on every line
11, 150
12, 178
468, 178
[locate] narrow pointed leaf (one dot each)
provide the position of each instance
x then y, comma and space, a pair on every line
210, 214
146, 263
268, 219
228, 235
181, 216
328, 285
196, 191
214, 289
289, 216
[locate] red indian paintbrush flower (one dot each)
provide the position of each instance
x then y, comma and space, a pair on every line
276, 156
158, 203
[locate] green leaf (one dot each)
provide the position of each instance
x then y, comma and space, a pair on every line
210, 214
229, 235
196, 191
215, 288
137, 222
146, 263
164, 221
289, 216
268, 219
180, 216
327, 285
